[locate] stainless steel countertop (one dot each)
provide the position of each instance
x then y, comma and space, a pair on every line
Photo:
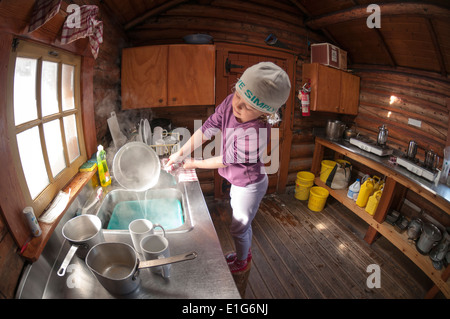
207, 276
440, 190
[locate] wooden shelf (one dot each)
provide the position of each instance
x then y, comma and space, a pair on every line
399, 240
34, 248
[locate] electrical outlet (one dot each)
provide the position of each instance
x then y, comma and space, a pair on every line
415, 122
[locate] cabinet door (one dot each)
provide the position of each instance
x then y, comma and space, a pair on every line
191, 74
329, 89
349, 94
144, 77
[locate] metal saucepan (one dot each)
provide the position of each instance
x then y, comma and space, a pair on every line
83, 232
116, 265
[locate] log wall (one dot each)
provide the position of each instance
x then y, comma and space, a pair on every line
393, 97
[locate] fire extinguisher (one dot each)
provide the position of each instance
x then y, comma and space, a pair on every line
304, 98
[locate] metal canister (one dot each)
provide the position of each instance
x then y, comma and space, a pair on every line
32, 221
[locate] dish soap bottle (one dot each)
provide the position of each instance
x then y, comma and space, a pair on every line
103, 172
353, 190
364, 193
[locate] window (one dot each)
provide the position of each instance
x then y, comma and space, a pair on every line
44, 120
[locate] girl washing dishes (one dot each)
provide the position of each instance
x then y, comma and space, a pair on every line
259, 93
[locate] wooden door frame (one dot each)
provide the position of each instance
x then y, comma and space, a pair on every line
222, 51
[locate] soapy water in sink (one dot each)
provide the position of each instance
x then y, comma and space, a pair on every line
165, 211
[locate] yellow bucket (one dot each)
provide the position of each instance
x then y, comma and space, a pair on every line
304, 182
317, 198
326, 168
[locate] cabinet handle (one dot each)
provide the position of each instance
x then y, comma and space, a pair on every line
174, 99
160, 100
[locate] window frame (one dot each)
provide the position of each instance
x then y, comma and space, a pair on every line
28, 49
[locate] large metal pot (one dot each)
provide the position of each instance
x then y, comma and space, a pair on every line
83, 232
116, 265
335, 130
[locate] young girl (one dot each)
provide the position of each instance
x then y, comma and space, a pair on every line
259, 93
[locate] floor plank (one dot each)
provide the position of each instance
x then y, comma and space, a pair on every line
301, 254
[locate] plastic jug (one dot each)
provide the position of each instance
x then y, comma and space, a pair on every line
103, 172
364, 193
377, 183
372, 203
353, 190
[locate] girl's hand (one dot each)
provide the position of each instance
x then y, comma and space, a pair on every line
175, 158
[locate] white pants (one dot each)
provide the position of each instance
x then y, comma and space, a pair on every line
245, 203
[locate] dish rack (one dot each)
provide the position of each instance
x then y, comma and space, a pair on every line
168, 148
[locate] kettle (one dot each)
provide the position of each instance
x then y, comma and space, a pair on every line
335, 130
382, 135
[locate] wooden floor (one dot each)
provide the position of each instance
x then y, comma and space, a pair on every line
298, 253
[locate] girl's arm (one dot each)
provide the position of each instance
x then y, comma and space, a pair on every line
209, 163
195, 141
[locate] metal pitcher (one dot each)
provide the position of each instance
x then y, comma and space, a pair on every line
431, 159
412, 150
335, 130
382, 135
429, 238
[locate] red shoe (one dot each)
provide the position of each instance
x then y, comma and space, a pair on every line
238, 266
231, 256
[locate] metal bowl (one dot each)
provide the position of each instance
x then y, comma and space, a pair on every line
136, 166
198, 38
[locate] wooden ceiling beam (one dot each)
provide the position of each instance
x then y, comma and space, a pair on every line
436, 46
164, 7
385, 47
386, 9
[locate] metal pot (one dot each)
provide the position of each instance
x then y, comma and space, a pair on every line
116, 265
83, 232
428, 239
335, 130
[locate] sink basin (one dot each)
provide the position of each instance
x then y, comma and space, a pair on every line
164, 206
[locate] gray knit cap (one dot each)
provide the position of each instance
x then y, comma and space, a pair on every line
265, 86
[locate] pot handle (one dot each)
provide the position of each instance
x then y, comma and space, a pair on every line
168, 260
62, 270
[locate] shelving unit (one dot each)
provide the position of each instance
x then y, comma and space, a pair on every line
394, 189
399, 240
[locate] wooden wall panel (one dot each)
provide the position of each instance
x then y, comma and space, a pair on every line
418, 96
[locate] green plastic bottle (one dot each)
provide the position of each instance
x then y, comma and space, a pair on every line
103, 172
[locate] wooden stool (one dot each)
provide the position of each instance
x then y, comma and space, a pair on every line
241, 279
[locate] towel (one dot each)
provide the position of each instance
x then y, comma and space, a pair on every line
43, 11
89, 26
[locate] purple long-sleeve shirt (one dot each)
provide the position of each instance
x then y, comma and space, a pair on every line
243, 144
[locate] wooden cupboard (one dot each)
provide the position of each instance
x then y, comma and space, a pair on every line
332, 90
168, 75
